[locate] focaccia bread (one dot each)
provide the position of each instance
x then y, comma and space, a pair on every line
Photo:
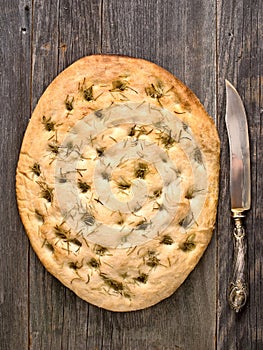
117, 181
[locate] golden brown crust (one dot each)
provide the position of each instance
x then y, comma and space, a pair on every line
105, 128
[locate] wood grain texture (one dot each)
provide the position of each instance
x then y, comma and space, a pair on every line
15, 111
202, 43
63, 31
240, 61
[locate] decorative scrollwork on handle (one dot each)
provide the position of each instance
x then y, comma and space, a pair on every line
238, 289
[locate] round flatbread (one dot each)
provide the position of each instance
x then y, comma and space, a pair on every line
117, 181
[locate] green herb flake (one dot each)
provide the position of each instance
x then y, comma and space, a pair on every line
112, 283
157, 193
94, 263
100, 151
74, 241
123, 184
46, 191
119, 85
100, 250
142, 278
49, 125
36, 169
152, 259
73, 265
88, 93
188, 244
69, 103
141, 170
54, 148
60, 232
39, 216
167, 140
49, 246
166, 239
83, 186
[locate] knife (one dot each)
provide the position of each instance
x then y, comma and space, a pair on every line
240, 188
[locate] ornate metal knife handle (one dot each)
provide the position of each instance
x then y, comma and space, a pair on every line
238, 289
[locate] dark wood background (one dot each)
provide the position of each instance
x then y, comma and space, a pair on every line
202, 42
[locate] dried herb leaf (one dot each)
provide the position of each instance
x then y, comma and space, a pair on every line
157, 91
188, 244
132, 131
49, 125
94, 263
46, 191
152, 259
167, 140
112, 283
142, 278
74, 241
60, 232
154, 91
119, 85
100, 151
191, 192
54, 148
167, 240
157, 192
83, 186
69, 103
123, 184
49, 246
99, 250
142, 225
141, 170
74, 265
36, 169
88, 93
105, 176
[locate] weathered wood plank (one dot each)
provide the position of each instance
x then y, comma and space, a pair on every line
63, 31
240, 55
15, 110
173, 35
38, 312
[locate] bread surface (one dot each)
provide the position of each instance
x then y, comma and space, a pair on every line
117, 181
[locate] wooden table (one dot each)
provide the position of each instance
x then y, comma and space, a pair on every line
202, 42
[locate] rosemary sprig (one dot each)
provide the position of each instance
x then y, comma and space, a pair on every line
94, 263
166, 139
157, 91
112, 283
152, 259
83, 186
69, 103
49, 125
166, 239
36, 169
142, 278
100, 250
123, 184
141, 170
46, 191
188, 244
120, 85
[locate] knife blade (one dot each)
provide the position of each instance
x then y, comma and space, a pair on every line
240, 192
